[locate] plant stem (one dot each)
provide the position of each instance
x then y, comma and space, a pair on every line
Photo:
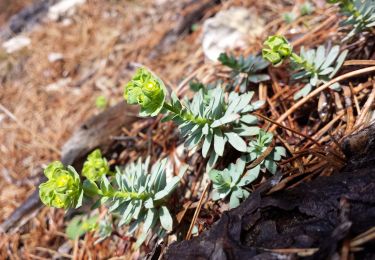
171, 108
186, 116
131, 195
303, 63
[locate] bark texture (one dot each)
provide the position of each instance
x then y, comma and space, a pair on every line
324, 214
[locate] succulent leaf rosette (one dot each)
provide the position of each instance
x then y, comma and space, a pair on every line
138, 194
209, 121
314, 66
256, 149
230, 182
360, 16
245, 69
95, 166
63, 188
147, 90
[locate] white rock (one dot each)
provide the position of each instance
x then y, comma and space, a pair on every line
229, 29
55, 56
64, 7
16, 43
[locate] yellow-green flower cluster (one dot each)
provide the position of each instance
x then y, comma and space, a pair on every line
276, 49
63, 188
95, 166
146, 90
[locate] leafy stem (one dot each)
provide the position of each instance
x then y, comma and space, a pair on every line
130, 195
186, 116
303, 63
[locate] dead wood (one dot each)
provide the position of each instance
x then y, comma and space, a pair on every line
321, 216
26, 18
96, 132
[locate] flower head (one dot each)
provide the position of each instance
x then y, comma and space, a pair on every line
63, 188
146, 90
95, 166
276, 49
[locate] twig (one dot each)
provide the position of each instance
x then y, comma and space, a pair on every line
366, 107
363, 238
318, 90
359, 62
288, 128
197, 210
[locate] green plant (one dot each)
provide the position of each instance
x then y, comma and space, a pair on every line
135, 194
148, 91
360, 15
210, 120
101, 102
312, 66
289, 17
257, 147
245, 70
80, 225
104, 229
63, 187
95, 166
231, 181
306, 8
276, 49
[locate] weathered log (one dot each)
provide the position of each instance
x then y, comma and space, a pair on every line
322, 216
96, 132
26, 18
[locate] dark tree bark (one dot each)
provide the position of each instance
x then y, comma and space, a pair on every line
321, 214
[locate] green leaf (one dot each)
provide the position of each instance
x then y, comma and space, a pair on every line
335, 86
340, 60
114, 206
219, 142
149, 203
225, 120
250, 176
249, 119
234, 201
127, 214
244, 130
244, 101
326, 71
206, 144
90, 188
320, 56
212, 161
303, 92
331, 56
258, 78
216, 177
278, 152
80, 225
271, 166
171, 186
165, 218
150, 220
182, 171
236, 141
